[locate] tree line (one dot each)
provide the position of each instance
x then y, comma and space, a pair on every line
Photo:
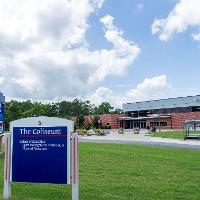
65, 109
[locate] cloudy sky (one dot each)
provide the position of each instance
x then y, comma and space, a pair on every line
99, 50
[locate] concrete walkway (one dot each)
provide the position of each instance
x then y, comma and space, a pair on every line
130, 138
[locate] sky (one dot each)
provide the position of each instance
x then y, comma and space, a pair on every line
99, 50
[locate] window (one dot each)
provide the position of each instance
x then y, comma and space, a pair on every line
157, 123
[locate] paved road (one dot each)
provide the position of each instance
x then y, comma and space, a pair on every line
160, 144
129, 138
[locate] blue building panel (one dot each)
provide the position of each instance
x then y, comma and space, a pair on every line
2, 102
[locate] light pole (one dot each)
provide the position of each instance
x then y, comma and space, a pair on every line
132, 119
99, 122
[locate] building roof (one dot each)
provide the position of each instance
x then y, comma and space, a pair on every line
179, 102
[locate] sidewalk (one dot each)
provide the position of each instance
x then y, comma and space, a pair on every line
128, 137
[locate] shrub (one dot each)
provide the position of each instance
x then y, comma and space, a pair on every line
95, 122
106, 127
81, 131
121, 131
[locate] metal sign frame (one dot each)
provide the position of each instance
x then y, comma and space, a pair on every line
37, 122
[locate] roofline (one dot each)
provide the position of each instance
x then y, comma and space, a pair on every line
162, 99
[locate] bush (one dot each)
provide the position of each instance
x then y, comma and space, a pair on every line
96, 130
101, 132
121, 131
106, 127
95, 122
81, 131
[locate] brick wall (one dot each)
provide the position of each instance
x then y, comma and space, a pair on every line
106, 120
176, 121
179, 118
88, 120
168, 120
111, 120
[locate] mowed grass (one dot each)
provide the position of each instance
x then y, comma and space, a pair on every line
170, 134
124, 172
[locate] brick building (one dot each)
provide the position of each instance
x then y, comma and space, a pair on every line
162, 114
112, 120
109, 120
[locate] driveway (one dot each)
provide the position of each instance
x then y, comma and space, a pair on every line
129, 138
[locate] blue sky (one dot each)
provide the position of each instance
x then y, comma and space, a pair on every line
99, 50
177, 58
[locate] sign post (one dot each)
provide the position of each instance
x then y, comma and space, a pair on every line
38, 151
7, 167
75, 167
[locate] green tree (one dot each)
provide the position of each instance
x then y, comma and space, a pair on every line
117, 111
66, 109
75, 108
103, 108
95, 121
80, 121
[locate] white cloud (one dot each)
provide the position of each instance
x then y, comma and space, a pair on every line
196, 36
2, 80
43, 49
186, 13
150, 88
101, 94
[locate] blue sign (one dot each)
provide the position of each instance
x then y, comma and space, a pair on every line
1, 111
40, 154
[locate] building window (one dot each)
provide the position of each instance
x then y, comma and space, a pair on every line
157, 123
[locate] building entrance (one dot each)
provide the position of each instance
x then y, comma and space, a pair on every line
139, 124
131, 124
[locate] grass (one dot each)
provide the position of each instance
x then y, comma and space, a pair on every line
124, 172
170, 134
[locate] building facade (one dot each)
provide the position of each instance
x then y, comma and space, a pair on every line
162, 114
105, 120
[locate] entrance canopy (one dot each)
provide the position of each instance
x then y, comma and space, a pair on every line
143, 121
126, 118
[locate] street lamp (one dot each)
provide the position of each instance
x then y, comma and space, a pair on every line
99, 123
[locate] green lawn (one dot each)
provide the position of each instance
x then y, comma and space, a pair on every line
169, 134
124, 172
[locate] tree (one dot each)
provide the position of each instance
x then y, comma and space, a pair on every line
103, 108
75, 108
80, 121
95, 121
117, 111
66, 109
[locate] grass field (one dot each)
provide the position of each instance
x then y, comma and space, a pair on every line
169, 134
124, 172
